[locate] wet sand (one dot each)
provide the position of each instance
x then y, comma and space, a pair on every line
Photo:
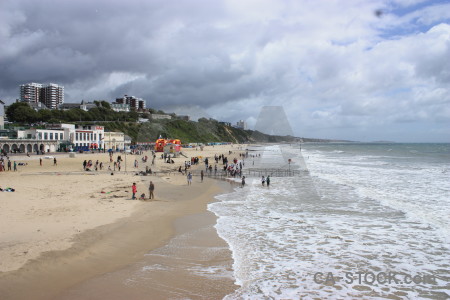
194, 264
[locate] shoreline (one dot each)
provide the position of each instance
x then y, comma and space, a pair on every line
195, 263
114, 246
104, 249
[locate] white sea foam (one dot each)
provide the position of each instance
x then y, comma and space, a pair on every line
337, 220
217, 272
413, 188
158, 267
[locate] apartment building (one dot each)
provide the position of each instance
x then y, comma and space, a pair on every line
51, 95
134, 102
31, 92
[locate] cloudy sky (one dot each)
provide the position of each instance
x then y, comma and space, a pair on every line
348, 69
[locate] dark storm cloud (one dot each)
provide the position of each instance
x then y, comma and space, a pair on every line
232, 57
182, 56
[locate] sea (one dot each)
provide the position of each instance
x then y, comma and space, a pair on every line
356, 221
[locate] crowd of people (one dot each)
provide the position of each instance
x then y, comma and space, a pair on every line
231, 168
88, 165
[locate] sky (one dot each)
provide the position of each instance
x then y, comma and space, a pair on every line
358, 70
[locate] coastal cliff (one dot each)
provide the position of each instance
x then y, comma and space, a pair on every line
203, 131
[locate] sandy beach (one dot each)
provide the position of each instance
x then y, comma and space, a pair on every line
63, 226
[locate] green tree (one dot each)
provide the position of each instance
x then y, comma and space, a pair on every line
58, 114
132, 116
71, 115
44, 115
21, 112
146, 115
105, 104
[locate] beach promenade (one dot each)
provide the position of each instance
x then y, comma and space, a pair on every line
64, 226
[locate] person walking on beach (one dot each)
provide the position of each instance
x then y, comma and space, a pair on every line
134, 190
263, 180
54, 162
201, 175
189, 178
151, 189
9, 165
15, 166
268, 180
40, 162
243, 181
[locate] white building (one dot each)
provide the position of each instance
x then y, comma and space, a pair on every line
114, 140
90, 136
69, 131
241, 125
120, 107
46, 140
41, 134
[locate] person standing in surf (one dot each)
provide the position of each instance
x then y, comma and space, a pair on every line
263, 180
268, 180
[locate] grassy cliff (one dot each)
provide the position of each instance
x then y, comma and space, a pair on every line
189, 132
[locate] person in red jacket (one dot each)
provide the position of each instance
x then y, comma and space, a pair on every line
134, 190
